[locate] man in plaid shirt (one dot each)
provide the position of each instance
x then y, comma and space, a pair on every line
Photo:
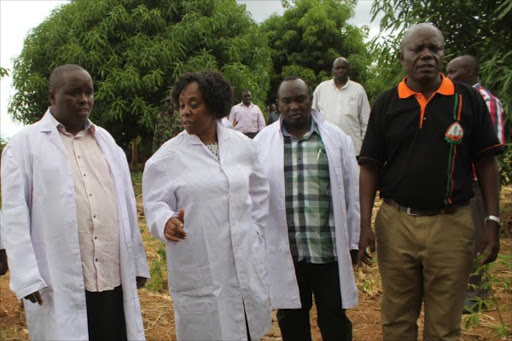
314, 216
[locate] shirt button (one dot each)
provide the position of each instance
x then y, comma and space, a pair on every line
84, 174
95, 237
96, 259
90, 195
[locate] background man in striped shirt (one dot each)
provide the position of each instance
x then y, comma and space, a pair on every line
465, 69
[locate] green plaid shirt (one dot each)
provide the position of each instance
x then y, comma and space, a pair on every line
308, 198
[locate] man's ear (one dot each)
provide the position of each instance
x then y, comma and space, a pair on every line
401, 58
52, 97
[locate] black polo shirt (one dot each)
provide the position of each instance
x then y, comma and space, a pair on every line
425, 149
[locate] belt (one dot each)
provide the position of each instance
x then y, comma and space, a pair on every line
424, 211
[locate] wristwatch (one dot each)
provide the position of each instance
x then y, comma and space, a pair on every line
493, 218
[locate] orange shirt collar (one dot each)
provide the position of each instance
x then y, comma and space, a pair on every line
446, 88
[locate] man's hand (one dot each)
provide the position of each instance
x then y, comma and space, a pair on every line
35, 297
366, 243
174, 228
490, 245
3, 262
140, 281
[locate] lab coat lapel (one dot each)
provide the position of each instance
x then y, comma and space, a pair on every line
48, 127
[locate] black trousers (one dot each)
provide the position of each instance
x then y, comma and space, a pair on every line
322, 281
105, 315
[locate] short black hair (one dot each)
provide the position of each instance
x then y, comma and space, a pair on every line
292, 78
216, 89
58, 73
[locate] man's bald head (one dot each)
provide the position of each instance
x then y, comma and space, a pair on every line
463, 69
340, 60
412, 32
57, 74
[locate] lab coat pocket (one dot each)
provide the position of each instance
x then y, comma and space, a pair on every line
196, 318
191, 282
191, 305
45, 308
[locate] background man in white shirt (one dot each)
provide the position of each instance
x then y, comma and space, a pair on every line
344, 103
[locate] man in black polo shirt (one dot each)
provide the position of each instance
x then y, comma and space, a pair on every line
422, 137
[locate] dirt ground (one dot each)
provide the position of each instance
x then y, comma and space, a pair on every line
158, 314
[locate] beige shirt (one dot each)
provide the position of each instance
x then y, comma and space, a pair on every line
346, 107
96, 209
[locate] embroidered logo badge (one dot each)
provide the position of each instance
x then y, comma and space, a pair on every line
454, 133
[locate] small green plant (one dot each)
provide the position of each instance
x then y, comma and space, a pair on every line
156, 270
500, 280
137, 182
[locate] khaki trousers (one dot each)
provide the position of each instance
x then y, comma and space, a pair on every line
423, 258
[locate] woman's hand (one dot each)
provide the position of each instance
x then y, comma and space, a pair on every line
174, 228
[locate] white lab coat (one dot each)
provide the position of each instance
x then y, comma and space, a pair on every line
221, 265
344, 175
40, 232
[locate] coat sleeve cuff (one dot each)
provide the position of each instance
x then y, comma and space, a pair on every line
30, 289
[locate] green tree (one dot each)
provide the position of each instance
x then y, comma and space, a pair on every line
134, 51
480, 28
3, 72
307, 38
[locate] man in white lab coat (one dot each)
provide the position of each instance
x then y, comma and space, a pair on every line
314, 216
70, 223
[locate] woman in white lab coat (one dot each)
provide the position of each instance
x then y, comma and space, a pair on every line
206, 198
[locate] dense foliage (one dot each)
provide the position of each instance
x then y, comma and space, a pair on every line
134, 51
480, 28
309, 36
